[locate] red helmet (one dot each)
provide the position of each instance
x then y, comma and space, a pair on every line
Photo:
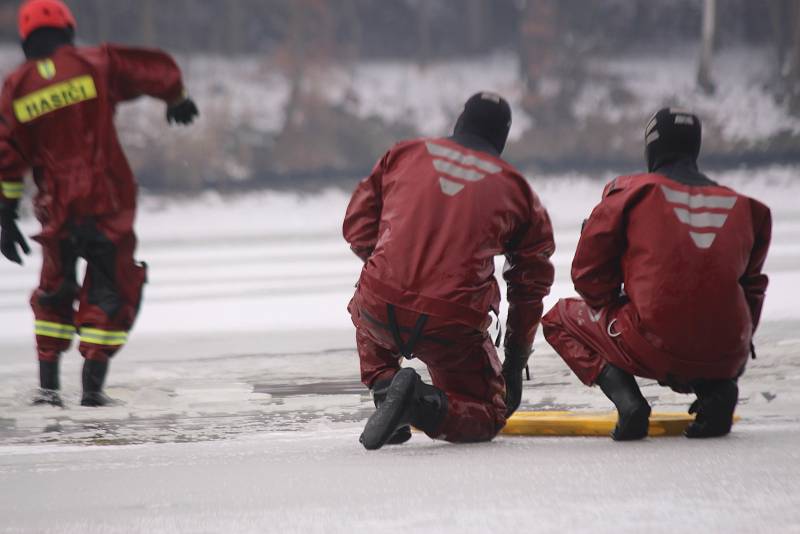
35, 14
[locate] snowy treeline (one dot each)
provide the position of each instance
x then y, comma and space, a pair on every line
312, 91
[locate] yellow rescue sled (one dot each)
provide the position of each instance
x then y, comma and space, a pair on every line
566, 423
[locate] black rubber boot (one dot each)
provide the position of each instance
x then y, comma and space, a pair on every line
48, 385
94, 374
715, 404
409, 401
48, 375
634, 412
379, 390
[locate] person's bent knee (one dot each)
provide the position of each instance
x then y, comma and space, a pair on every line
476, 429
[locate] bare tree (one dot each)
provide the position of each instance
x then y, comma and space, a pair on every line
309, 43
148, 22
704, 78
537, 36
354, 30
780, 16
101, 8
793, 66
424, 32
235, 26
296, 60
477, 15
785, 17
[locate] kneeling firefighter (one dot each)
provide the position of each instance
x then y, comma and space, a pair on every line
56, 119
669, 266
428, 223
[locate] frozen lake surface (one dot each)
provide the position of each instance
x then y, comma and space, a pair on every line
243, 406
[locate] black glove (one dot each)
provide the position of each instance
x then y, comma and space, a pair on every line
184, 112
514, 364
10, 236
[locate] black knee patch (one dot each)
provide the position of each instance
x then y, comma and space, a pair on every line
100, 254
67, 291
63, 296
103, 291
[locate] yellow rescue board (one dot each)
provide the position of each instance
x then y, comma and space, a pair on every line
554, 423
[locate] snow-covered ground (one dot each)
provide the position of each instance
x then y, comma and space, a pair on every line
243, 407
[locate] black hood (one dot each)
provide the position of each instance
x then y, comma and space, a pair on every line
672, 135
486, 116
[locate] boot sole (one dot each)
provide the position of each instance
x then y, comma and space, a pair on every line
695, 431
51, 399
93, 402
56, 404
634, 425
384, 422
400, 436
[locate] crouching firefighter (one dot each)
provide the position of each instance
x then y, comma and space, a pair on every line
56, 119
428, 222
669, 266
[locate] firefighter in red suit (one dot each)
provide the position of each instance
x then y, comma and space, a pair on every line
428, 223
56, 119
669, 266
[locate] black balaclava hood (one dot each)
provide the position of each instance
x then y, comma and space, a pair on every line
672, 135
41, 43
488, 116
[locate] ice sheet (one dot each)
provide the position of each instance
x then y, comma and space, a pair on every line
243, 403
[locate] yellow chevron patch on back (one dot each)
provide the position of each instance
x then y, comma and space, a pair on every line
46, 68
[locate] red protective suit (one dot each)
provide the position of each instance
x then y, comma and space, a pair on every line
428, 223
58, 114
689, 260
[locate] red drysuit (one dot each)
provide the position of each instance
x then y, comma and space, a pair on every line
58, 114
689, 261
428, 222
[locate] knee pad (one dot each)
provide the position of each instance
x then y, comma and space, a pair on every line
64, 296
101, 271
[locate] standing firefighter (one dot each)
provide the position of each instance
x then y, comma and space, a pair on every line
56, 118
669, 268
428, 223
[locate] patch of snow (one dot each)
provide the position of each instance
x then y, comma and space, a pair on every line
742, 106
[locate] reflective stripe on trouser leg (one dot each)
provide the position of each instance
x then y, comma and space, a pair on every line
54, 330
97, 336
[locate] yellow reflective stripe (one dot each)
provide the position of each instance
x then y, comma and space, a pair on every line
54, 97
103, 337
55, 326
109, 341
99, 332
13, 190
56, 330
